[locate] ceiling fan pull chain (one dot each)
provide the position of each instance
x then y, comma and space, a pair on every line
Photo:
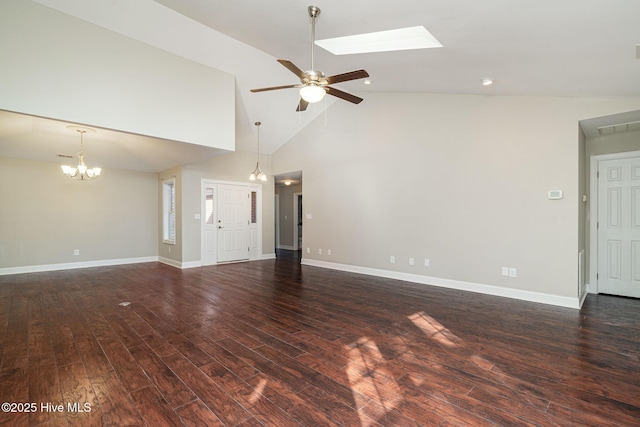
325, 111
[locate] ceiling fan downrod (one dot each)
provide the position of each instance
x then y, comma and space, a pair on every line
314, 11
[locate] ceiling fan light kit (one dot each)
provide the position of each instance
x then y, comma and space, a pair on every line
314, 85
312, 93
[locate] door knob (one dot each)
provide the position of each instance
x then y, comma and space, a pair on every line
220, 226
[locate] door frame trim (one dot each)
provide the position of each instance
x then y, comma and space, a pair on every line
203, 217
251, 187
593, 212
296, 236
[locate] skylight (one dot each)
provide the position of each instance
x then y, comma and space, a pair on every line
381, 41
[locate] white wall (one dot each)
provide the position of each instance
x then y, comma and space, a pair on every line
459, 179
44, 216
60, 67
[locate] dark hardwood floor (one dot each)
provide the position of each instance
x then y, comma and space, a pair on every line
274, 343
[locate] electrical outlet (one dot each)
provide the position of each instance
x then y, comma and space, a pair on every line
411, 261
308, 250
76, 251
427, 262
505, 271
512, 272
328, 251
319, 251
392, 259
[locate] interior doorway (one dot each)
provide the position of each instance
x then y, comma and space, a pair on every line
610, 202
297, 214
616, 197
289, 213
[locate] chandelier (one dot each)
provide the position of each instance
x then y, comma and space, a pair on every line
257, 173
81, 172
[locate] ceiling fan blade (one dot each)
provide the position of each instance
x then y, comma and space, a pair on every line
274, 88
302, 105
343, 95
344, 77
291, 67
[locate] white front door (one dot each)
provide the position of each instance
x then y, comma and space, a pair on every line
209, 225
233, 222
619, 226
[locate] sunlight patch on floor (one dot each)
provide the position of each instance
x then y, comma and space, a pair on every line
257, 392
434, 329
374, 389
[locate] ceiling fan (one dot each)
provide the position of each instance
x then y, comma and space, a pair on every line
314, 85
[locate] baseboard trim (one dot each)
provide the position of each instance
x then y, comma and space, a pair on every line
452, 284
74, 265
195, 264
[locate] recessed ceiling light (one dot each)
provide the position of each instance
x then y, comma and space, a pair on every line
381, 41
367, 82
487, 82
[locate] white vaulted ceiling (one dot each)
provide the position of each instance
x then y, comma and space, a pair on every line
572, 48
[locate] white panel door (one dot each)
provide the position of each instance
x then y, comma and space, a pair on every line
233, 222
209, 225
619, 227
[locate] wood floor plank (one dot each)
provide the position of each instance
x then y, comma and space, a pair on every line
263, 410
44, 389
14, 376
295, 406
190, 350
242, 368
95, 361
196, 414
121, 329
273, 342
211, 394
147, 333
115, 401
81, 403
63, 345
295, 379
154, 410
132, 375
175, 392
